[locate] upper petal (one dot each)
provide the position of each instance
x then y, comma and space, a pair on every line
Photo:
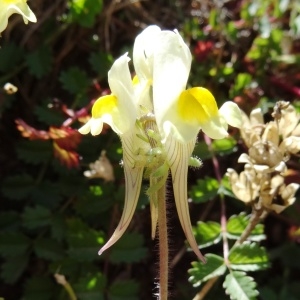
171, 67
144, 46
118, 109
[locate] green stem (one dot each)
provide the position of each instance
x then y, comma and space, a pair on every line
163, 244
61, 279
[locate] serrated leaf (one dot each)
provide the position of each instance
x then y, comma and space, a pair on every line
17, 187
36, 217
238, 223
74, 80
47, 194
92, 204
10, 56
84, 242
13, 243
48, 249
239, 286
128, 249
37, 288
91, 287
207, 234
100, 63
205, 190
123, 290
84, 12
13, 267
34, 152
39, 62
202, 272
49, 116
248, 257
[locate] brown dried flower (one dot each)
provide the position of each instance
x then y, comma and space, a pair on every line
270, 146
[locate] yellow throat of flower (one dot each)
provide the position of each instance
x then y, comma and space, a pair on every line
197, 105
14, 1
104, 105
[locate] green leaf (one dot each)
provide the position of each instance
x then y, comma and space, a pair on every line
207, 234
100, 63
10, 56
248, 257
238, 223
91, 287
239, 286
201, 150
47, 194
205, 190
17, 187
48, 116
84, 243
242, 81
13, 243
39, 62
74, 80
36, 217
128, 249
48, 249
200, 272
123, 290
40, 288
13, 267
224, 146
92, 204
34, 152
84, 12
58, 227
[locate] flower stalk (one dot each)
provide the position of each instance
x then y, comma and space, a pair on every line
163, 244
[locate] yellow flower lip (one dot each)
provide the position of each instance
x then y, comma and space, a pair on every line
104, 105
197, 105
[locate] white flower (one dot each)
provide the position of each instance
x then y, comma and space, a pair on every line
9, 7
155, 113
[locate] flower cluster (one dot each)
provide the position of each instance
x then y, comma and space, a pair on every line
9, 7
270, 147
157, 120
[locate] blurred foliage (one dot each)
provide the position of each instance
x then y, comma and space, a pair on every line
54, 220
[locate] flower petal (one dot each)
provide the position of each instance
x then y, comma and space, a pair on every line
178, 156
133, 181
144, 46
231, 113
93, 125
19, 7
171, 67
123, 116
118, 109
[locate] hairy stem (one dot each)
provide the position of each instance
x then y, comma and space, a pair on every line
163, 244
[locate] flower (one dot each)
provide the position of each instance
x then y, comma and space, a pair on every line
270, 146
158, 121
9, 7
